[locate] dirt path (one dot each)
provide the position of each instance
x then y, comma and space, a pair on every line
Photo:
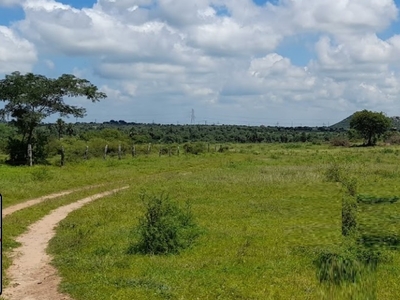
32, 276
11, 209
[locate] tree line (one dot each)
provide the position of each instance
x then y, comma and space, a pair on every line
30, 98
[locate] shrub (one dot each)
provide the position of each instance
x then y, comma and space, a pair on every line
393, 138
223, 148
340, 141
194, 148
165, 228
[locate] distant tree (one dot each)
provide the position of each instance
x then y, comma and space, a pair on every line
31, 98
370, 125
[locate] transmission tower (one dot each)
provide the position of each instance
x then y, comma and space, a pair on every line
192, 117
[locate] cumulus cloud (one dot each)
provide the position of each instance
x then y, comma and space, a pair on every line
219, 53
338, 17
16, 53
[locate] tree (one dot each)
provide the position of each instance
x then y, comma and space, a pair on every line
30, 98
370, 125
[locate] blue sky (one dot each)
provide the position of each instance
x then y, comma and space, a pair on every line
233, 62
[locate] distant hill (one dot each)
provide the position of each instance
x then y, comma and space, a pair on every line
345, 123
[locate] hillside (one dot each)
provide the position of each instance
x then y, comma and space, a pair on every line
345, 123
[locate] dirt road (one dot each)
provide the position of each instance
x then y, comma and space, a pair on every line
11, 209
32, 276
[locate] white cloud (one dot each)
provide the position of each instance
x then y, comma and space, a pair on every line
338, 17
180, 52
16, 53
8, 3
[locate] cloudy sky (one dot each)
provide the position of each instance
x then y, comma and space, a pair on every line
286, 62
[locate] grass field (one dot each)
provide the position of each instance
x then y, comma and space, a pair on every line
263, 211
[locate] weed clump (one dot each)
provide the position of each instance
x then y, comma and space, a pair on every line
349, 216
333, 173
336, 267
194, 148
165, 227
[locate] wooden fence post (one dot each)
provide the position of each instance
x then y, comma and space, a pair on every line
149, 148
105, 151
86, 152
30, 154
62, 156
178, 150
119, 151
133, 151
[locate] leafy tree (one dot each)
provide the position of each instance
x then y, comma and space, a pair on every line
30, 98
370, 125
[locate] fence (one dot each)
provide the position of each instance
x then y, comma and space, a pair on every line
73, 153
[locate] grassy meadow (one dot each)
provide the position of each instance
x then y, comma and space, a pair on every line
264, 212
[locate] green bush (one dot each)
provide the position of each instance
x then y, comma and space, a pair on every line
165, 227
340, 141
195, 148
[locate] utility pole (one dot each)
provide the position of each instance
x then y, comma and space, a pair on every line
192, 117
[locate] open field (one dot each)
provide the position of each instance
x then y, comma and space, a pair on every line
263, 211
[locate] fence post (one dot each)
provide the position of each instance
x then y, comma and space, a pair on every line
86, 152
149, 148
62, 156
178, 150
133, 151
30, 154
105, 151
119, 151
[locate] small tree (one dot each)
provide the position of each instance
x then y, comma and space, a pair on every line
31, 98
370, 125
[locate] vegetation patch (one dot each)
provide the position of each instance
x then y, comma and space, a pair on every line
165, 227
367, 199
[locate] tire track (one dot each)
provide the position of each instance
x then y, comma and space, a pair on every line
32, 276
12, 209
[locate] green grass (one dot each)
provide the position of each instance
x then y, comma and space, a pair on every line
263, 210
